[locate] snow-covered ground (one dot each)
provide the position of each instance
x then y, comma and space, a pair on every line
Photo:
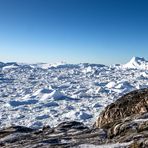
34, 95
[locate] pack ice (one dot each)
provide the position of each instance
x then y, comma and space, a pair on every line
34, 95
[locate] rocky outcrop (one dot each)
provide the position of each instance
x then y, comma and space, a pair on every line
124, 123
66, 134
133, 103
126, 120
133, 129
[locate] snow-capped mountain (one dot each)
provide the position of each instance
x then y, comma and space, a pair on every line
37, 94
137, 63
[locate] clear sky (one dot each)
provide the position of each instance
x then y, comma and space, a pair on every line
75, 31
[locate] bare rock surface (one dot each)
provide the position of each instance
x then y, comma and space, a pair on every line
66, 134
127, 119
133, 103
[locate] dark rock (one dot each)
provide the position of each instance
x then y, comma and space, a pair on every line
51, 141
62, 135
15, 129
64, 126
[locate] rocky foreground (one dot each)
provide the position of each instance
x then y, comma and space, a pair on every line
124, 121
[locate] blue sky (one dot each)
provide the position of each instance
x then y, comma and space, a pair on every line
75, 31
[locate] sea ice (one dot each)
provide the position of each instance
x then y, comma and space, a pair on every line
37, 94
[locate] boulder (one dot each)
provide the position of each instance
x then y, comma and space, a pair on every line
133, 103
126, 120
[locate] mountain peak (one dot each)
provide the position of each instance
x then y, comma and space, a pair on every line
137, 63
137, 59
